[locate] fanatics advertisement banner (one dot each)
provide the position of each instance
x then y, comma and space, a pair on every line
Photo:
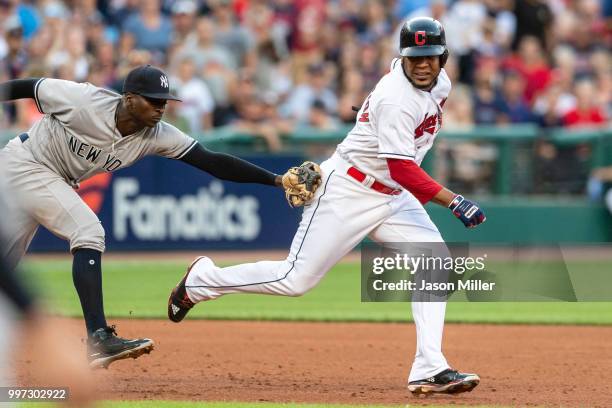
162, 204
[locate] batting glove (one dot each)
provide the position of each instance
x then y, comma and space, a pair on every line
467, 211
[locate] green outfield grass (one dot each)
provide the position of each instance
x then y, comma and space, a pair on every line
140, 289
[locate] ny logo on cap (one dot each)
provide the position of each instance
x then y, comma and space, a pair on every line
164, 81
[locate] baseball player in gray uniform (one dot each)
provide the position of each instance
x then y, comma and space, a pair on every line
21, 315
88, 130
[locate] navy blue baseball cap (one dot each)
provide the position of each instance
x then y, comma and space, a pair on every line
148, 81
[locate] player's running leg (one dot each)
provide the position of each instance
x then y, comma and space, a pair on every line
429, 373
340, 216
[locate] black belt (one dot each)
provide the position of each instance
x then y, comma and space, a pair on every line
23, 137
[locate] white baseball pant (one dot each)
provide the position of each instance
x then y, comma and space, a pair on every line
340, 216
47, 200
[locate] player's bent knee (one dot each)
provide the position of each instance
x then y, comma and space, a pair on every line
300, 285
90, 236
296, 291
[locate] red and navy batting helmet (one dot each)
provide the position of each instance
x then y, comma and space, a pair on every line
423, 36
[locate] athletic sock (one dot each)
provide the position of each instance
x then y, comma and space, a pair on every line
87, 278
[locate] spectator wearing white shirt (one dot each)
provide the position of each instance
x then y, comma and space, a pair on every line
213, 63
69, 54
198, 103
302, 98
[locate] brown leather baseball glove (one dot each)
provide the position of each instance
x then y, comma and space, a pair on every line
301, 183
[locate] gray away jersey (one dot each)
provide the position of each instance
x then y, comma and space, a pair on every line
77, 138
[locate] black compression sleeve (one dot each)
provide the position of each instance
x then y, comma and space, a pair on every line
228, 167
17, 89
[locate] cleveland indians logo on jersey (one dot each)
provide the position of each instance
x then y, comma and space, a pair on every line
427, 125
164, 81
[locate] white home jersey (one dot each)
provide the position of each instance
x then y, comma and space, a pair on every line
396, 121
77, 138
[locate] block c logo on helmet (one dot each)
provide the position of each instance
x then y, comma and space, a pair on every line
420, 38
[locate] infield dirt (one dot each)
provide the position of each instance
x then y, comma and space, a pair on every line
354, 363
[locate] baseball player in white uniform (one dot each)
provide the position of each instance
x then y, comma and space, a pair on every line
88, 130
372, 186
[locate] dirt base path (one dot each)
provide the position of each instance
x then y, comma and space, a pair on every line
356, 363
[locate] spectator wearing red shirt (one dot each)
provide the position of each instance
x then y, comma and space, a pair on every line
532, 65
311, 16
587, 111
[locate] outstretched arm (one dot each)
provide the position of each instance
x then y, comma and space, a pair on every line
414, 179
17, 89
227, 167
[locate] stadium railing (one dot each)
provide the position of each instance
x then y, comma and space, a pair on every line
511, 141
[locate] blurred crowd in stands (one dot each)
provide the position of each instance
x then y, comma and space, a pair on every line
272, 67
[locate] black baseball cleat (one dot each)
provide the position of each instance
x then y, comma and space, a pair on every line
105, 347
448, 381
179, 303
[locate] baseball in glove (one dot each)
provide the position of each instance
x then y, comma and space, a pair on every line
301, 183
